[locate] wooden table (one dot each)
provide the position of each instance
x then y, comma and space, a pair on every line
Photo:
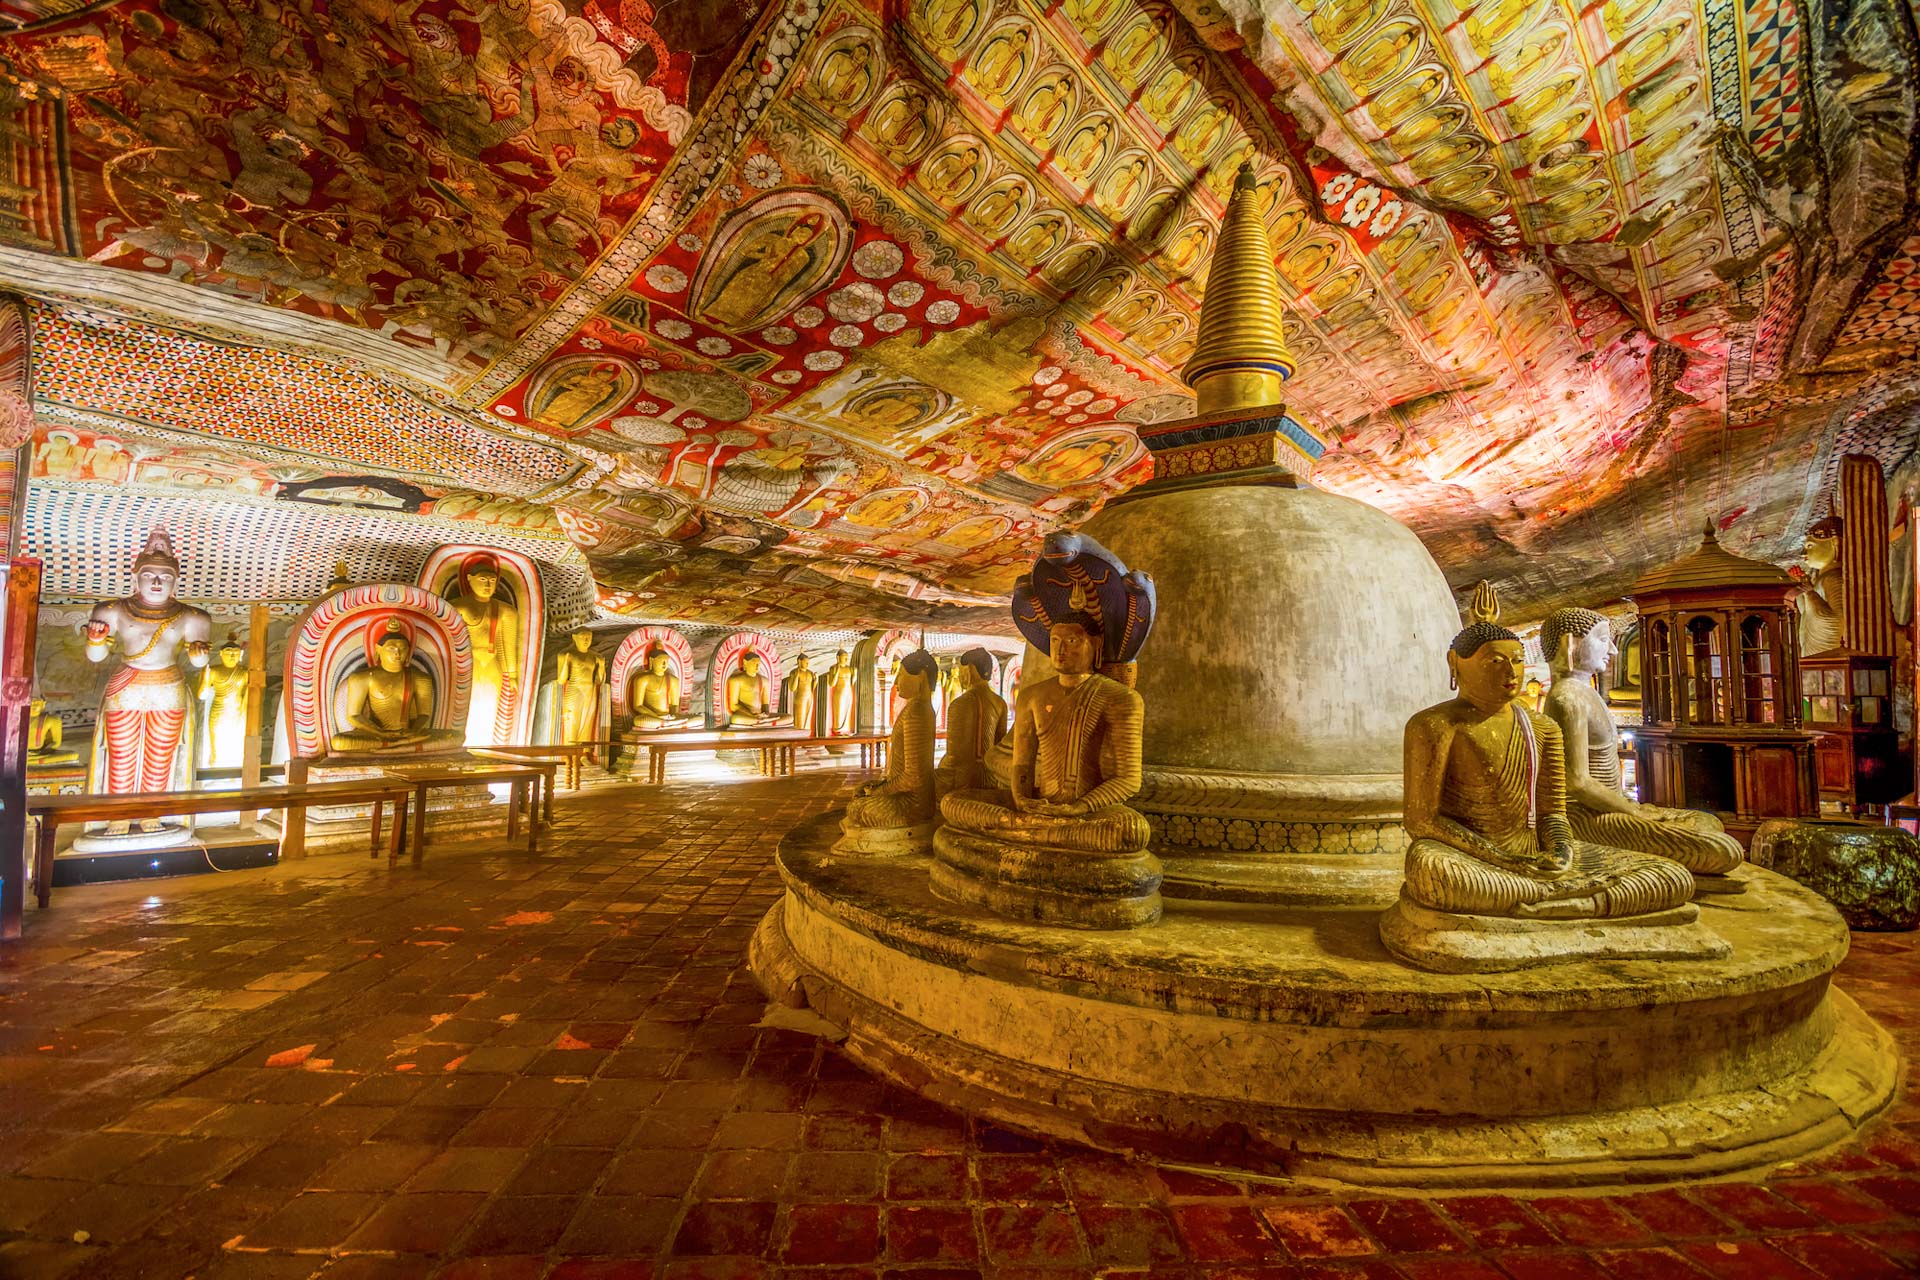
570, 755
55, 811
515, 756
293, 823
777, 758
523, 777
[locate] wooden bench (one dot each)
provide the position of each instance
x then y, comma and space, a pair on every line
777, 758
56, 811
556, 757
522, 777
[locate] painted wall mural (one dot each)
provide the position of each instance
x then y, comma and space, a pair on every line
820, 315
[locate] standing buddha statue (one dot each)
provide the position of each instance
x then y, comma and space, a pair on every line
580, 673
895, 814
1579, 645
223, 695
976, 722
800, 695
493, 630
1494, 877
388, 704
840, 696
143, 716
749, 699
656, 694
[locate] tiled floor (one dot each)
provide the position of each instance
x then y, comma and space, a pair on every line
502, 1067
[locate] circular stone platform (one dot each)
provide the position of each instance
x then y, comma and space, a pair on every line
1287, 1042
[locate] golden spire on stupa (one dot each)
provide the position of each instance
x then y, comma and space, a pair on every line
1240, 359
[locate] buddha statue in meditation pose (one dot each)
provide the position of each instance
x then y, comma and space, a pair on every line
1061, 846
749, 697
656, 694
388, 705
895, 814
1579, 645
46, 737
976, 721
1486, 800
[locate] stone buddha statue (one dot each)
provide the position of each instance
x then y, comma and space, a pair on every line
895, 814
1494, 876
1061, 846
143, 717
656, 694
840, 695
46, 737
800, 695
976, 722
749, 697
493, 629
1579, 645
388, 705
580, 673
223, 695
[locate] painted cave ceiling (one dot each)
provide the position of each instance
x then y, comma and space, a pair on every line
821, 313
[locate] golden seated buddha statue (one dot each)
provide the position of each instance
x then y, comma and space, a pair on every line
388, 706
1062, 846
656, 695
1579, 644
1494, 877
895, 814
750, 702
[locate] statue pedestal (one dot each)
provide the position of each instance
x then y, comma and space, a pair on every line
1288, 1042
888, 842
170, 836
1448, 942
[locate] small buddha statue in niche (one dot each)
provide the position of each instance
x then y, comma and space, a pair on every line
1579, 645
976, 722
1061, 846
800, 695
749, 697
840, 695
1822, 602
580, 673
388, 705
895, 814
223, 693
493, 629
1486, 799
46, 737
656, 694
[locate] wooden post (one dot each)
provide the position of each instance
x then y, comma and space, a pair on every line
21, 626
253, 750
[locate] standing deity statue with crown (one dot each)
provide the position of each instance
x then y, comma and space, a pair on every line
142, 740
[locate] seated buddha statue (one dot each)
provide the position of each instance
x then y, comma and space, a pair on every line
895, 814
976, 722
656, 695
1061, 845
1579, 645
389, 706
46, 737
749, 697
1486, 796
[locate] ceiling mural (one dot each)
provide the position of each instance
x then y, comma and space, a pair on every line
819, 315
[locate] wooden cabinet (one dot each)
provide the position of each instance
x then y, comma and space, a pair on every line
1847, 698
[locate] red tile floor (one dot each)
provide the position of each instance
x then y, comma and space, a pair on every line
512, 1067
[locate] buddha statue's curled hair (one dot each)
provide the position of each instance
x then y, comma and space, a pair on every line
1562, 623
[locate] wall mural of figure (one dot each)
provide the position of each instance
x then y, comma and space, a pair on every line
581, 391
767, 257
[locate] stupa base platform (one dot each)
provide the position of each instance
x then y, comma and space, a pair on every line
1285, 1041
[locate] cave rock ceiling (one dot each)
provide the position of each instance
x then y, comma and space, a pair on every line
822, 312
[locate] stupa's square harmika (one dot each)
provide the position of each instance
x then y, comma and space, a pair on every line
914, 639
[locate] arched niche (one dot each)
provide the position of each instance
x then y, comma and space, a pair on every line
726, 660
445, 574
873, 660
330, 642
630, 659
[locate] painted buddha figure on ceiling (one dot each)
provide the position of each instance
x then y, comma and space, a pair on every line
750, 697
1579, 645
388, 704
493, 629
895, 814
1486, 803
656, 694
976, 722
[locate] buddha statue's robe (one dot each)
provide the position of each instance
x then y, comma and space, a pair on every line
656, 701
493, 630
224, 691
896, 813
976, 722
391, 711
840, 699
579, 675
1599, 810
800, 698
1498, 842
1062, 846
750, 702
